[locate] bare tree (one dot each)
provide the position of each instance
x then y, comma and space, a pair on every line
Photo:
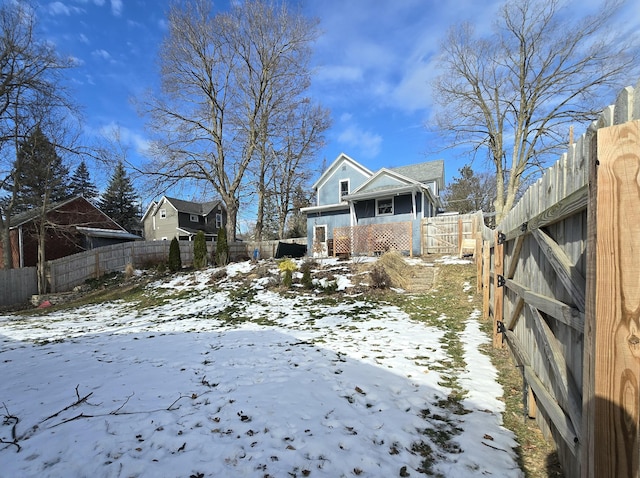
291, 169
225, 81
30, 72
516, 92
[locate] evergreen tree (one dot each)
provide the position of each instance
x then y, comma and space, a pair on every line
222, 248
200, 251
40, 174
119, 200
175, 261
81, 184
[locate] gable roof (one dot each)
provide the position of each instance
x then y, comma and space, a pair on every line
339, 160
397, 179
424, 172
190, 207
28, 216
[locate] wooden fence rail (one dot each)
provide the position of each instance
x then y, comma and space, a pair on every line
18, 285
560, 277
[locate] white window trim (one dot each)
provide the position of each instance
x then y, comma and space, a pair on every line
163, 213
218, 220
194, 218
348, 181
378, 207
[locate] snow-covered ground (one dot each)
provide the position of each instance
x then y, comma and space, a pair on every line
293, 385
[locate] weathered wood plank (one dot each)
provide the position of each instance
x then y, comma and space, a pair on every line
498, 292
515, 256
570, 277
520, 303
565, 389
587, 451
545, 400
572, 204
486, 269
558, 310
617, 308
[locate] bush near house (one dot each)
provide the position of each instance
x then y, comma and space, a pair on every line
175, 262
200, 251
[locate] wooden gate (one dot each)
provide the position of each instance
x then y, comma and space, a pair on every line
446, 234
561, 285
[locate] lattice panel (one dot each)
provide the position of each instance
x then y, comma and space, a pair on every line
373, 239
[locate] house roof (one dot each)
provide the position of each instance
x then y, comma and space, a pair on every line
191, 207
28, 216
424, 172
341, 158
106, 233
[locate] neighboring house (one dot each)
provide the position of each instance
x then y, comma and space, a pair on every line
73, 226
171, 217
348, 195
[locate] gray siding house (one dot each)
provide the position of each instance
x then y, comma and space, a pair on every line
350, 195
171, 217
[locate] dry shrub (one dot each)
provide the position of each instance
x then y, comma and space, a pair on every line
129, 271
396, 269
378, 278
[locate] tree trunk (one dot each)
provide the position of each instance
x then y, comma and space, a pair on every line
5, 236
42, 261
231, 203
261, 197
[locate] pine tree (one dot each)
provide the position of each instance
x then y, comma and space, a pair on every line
200, 251
81, 184
41, 176
222, 248
175, 261
119, 200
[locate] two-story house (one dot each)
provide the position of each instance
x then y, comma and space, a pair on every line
171, 217
359, 211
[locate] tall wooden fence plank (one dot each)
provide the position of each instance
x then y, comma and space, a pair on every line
616, 406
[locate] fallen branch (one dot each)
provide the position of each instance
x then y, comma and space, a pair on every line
7, 419
494, 447
115, 412
76, 403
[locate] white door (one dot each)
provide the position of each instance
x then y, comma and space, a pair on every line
320, 241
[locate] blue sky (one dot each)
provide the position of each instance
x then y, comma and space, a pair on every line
372, 68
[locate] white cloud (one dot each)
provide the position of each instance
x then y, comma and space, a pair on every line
59, 8
338, 73
116, 7
102, 54
125, 137
365, 144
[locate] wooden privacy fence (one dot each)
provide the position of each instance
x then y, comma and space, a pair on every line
560, 277
451, 234
373, 239
18, 285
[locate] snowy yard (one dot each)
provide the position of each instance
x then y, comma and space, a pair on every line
195, 379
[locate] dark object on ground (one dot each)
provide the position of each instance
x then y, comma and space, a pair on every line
286, 249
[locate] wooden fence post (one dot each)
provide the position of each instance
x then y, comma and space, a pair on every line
611, 394
498, 290
486, 269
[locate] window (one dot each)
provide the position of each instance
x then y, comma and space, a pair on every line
218, 221
320, 234
344, 188
384, 207
193, 217
163, 213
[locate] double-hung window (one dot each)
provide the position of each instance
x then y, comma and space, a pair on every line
344, 188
